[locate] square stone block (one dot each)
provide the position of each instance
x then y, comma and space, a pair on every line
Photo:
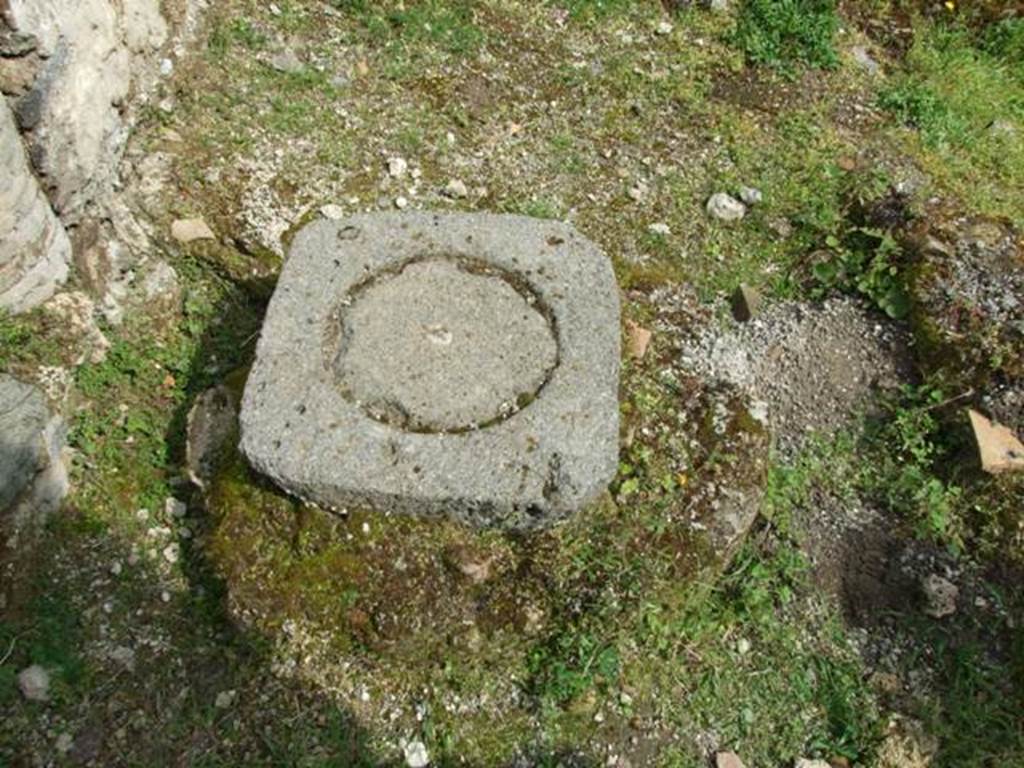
439, 364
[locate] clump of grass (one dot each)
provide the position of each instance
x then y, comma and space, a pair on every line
964, 101
785, 33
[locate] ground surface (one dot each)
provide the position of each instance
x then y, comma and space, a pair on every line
245, 629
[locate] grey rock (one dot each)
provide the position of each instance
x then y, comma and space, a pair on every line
16, 44
34, 247
718, 5
89, 52
161, 291
33, 477
725, 207
751, 195
492, 396
286, 61
416, 755
745, 303
212, 425
34, 683
446, 390
940, 595
397, 167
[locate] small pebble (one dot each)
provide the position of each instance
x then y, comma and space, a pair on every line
175, 508
34, 683
456, 189
397, 166
751, 195
416, 755
725, 207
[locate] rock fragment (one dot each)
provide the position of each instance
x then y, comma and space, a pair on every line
397, 167
751, 195
188, 230
864, 60
638, 339
332, 211
286, 61
725, 207
212, 422
456, 189
745, 302
998, 447
416, 755
34, 683
940, 596
728, 760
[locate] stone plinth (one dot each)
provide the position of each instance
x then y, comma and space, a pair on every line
460, 365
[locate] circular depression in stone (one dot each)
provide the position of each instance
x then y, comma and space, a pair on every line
443, 345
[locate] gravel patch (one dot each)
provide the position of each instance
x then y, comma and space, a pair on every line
812, 367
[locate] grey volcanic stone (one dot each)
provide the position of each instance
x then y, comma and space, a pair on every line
479, 347
460, 365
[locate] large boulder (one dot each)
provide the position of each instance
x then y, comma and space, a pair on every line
34, 248
33, 475
87, 51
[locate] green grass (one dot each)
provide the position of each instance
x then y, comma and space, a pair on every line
786, 33
965, 106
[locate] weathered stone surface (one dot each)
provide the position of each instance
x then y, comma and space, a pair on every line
492, 397
34, 248
439, 348
212, 422
88, 49
33, 478
76, 313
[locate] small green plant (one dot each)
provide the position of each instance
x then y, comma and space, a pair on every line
865, 260
570, 663
785, 33
904, 452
